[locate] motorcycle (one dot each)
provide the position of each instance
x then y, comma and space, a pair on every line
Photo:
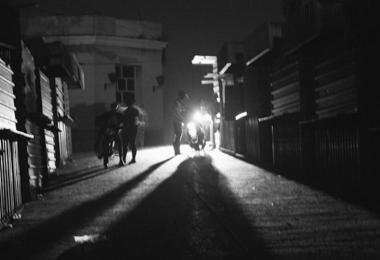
196, 133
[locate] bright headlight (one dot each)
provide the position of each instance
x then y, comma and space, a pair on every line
197, 116
191, 125
206, 118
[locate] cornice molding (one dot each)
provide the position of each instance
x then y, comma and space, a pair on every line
107, 40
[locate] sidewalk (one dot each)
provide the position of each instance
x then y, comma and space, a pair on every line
79, 166
80, 162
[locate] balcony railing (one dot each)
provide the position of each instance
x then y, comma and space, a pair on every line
314, 19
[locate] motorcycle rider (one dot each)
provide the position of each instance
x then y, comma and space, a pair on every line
195, 127
110, 119
196, 136
178, 118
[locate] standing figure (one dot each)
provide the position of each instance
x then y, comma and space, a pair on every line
131, 123
109, 125
178, 118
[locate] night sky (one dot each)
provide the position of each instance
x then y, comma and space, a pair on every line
193, 27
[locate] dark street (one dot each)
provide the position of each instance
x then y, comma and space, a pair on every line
286, 91
206, 207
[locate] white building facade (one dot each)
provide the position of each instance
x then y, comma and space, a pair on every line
120, 59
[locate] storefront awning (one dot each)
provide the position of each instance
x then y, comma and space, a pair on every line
56, 62
77, 78
13, 133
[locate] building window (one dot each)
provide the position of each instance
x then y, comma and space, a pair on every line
126, 81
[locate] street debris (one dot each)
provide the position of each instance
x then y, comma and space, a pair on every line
89, 238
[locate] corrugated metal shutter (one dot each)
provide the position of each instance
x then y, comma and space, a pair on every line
10, 183
35, 157
62, 146
7, 109
47, 110
67, 112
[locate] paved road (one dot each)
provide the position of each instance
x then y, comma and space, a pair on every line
206, 207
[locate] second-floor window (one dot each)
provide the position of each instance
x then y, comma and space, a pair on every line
126, 83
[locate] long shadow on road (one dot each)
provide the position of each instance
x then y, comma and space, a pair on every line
34, 242
188, 216
82, 175
214, 190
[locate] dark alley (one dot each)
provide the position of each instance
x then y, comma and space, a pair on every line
207, 207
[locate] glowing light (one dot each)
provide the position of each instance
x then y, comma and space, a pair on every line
207, 118
197, 116
217, 140
191, 125
218, 115
241, 115
203, 60
210, 81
